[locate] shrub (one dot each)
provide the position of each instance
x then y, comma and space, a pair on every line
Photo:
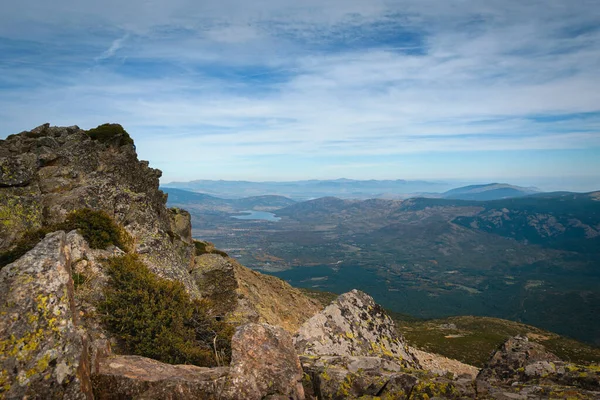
97, 227
110, 133
200, 247
156, 318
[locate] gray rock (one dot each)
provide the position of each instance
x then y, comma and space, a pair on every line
134, 377
509, 362
43, 354
354, 325
521, 369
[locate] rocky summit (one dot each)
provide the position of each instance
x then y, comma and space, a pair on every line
104, 294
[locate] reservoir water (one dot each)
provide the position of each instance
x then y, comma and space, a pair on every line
259, 215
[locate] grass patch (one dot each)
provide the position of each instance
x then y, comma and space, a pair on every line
472, 340
156, 318
78, 280
110, 133
325, 298
97, 227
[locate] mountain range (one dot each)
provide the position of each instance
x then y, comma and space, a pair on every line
352, 189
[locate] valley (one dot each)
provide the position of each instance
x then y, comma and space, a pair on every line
530, 259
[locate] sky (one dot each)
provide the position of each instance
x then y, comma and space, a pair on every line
495, 90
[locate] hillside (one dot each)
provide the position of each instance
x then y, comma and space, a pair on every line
531, 259
205, 202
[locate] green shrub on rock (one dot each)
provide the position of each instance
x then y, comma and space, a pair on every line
156, 318
97, 227
110, 133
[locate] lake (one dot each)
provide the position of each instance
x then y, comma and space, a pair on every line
260, 215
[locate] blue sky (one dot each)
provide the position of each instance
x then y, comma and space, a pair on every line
282, 90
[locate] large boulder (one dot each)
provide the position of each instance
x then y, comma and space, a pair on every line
354, 325
521, 369
512, 358
264, 363
43, 353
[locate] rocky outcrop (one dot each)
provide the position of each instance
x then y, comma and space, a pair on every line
134, 377
49, 171
264, 363
243, 295
344, 377
43, 353
521, 369
354, 325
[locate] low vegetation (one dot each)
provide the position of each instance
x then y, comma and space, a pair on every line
155, 317
97, 227
110, 133
472, 340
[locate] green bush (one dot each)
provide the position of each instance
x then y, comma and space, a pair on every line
97, 227
111, 134
200, 247
156, 318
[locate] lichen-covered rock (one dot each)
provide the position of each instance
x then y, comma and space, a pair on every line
511, 359
343, 377
49, 171
43, 354
243, 295
264, 363
524, 369
216, 281
353, 325
134, 377
181, 224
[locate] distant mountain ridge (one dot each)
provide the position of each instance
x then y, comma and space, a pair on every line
310, 189
201, 201
491, 191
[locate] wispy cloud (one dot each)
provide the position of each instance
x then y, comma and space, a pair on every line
114, 47
257, 81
